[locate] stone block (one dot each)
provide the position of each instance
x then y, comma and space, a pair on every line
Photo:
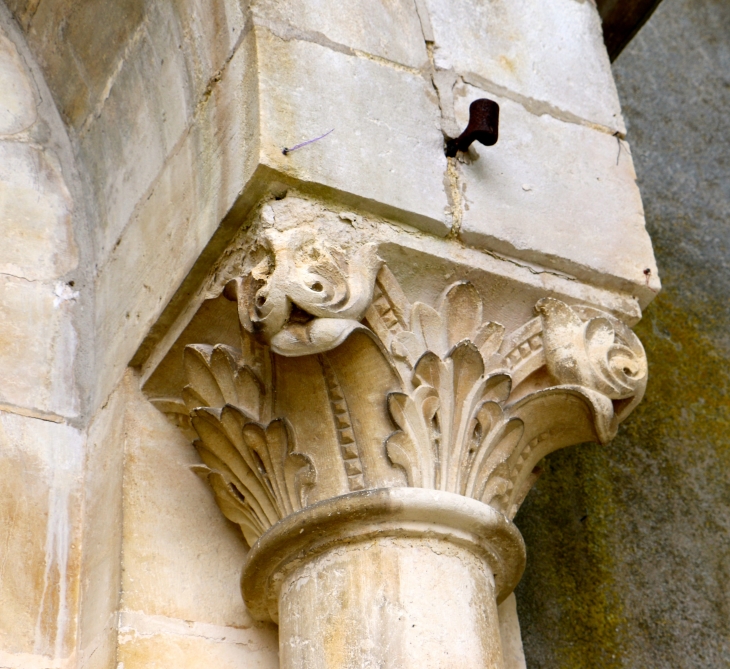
35, 215
389, 30
147, 641
99, 35
83, 47
386, 147
560, 195
80, 46
40, 476
195, 189
132, 96
182, 558
171, 92
37, 346
549, 54
124, 148
102, 531
210, 31
52, 31
18, 110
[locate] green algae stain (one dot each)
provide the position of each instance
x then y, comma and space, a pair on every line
567, 597
607, 527
629, 543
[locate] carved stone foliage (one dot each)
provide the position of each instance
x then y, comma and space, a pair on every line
477, 412
249, 460
306, 297
341, 384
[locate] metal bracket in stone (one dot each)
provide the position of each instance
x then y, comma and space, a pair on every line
483, 127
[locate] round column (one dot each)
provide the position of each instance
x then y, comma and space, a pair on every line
402, 577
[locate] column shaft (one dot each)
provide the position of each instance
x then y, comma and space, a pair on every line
399, 603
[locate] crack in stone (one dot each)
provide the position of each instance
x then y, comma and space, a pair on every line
536, 107
455, 196
425, 20
443, 83
529, 268
288, 33
20, 278
138, 625
218, 74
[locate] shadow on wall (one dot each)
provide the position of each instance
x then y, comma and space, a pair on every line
629, 544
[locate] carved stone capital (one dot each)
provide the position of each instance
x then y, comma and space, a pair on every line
347, 414
426, 396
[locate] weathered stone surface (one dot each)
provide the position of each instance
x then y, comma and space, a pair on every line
41, 458
386, 147
198, 185
387, 602
80, 46
208, 33
636, 535
83, 49
124, 149
560, 195
389, 30
130, 88
144, 115
101, 568
509, 630
102, 654
35, 205
549, 53
155, 641
182, 559
37, 346
35, 215
17, 109
41, 479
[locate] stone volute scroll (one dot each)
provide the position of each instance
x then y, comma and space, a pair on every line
374, 447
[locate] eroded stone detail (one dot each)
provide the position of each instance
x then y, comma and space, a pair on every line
306, 296
249, 459
341, 384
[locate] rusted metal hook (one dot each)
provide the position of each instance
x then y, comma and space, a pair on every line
483, 127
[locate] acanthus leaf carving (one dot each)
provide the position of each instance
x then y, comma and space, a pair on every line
249, 461
598, 352
466, 409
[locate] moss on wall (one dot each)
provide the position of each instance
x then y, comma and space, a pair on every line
629, 544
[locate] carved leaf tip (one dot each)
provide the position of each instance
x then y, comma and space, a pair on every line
257, 462
472, 440
256, 477
601, 354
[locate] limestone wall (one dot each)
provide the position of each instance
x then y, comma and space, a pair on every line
42, 361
